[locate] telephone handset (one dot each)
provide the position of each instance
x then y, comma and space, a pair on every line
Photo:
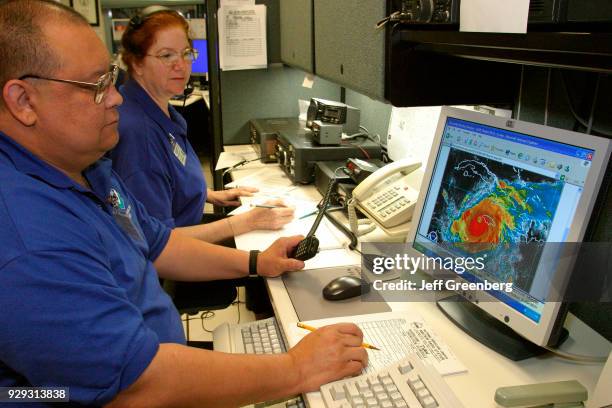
387, 198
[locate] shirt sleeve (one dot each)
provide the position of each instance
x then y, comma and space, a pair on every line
71, 325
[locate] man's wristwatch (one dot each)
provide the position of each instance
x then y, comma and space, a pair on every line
253, 262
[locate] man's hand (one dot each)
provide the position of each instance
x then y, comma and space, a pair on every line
275, 260
229, 197
328, 354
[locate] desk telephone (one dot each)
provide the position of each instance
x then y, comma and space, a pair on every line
386, 197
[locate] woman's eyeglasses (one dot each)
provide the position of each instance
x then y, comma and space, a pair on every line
169, 58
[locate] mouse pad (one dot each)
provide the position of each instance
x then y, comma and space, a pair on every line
304, 289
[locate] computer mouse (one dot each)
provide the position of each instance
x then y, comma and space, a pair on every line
341, 288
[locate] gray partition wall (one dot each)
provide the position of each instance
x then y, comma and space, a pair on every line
349, 49
375, 114
265, 93
296, 36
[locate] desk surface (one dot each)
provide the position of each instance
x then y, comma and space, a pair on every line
487, 370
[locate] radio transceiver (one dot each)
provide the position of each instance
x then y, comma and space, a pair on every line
336, 113
297, 153
428, 11
264, 132
326, 133
549, 15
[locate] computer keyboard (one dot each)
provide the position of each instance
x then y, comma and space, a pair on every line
408, 383
258, 337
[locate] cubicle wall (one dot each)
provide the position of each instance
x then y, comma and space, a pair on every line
265, 93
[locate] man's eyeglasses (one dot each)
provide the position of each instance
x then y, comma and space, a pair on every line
170, 58
101, 86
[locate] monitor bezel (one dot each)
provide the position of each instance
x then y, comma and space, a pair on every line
536, 332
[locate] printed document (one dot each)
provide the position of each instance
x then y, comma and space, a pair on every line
242, 37
396, 334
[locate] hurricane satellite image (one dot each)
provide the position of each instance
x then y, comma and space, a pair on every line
491, 209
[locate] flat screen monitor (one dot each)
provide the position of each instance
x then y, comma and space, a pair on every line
200, 65
493, 189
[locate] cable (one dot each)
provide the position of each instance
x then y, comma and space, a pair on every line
239, 164
237, 302
353, 244
547, 96
593, 105
520, 95
395, 16
207, 314
577, 357
364, 151
355, 222
575, 114
366, 134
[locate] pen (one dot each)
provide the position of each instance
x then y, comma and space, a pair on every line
309, 214
310, 328
267, 206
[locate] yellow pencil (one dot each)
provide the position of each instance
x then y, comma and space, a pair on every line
310, 328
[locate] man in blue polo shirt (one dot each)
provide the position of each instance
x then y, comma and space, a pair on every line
80, 302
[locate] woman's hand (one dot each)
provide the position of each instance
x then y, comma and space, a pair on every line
262, 218
231, 197
269, 218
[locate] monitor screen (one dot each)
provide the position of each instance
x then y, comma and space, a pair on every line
200, 65
503, 191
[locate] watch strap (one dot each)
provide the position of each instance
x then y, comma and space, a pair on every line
253, 262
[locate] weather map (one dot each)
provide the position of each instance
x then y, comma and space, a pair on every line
488, 208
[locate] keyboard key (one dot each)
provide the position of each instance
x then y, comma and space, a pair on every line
396, 396
393, 389
405, 368
338, 392
429, 402
386, 404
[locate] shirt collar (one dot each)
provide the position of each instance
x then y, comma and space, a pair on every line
98, 174
25, 162
175, 124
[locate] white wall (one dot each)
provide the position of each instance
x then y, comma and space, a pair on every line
100, 29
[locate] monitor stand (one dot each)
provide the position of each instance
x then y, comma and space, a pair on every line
490, 331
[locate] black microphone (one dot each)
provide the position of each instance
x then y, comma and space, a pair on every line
186, 92
309, 246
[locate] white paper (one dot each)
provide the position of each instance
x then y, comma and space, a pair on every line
230, 159
273, 183
308, 81
301, 208
427, 345
198, 27
236, 3
494, 16
412, 130
329, 236
303, 108
242, 37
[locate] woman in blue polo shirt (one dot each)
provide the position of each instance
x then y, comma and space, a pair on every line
154, 157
